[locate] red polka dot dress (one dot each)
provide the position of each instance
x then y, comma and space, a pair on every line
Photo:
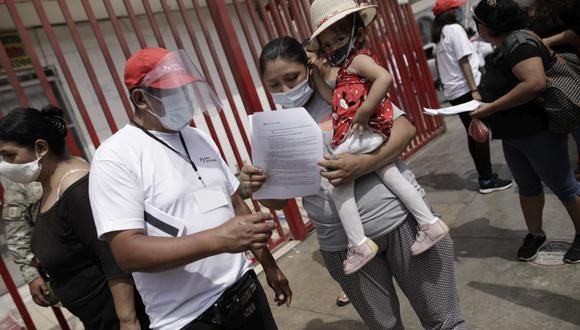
350, 92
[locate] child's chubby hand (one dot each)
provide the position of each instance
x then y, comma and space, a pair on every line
360, 123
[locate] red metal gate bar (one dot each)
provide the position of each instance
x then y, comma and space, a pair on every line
27, 42
248, 93
273, 10
416, 82
265, 18
394, 57
401, 65
251, 44
223, 80
15, 295
296, 14
60, 318
305, 13
229, 95
118, 28
108, 58
12, 77
432, 99
154, 24
135, 23
423, 62
286, 19
420, 83
247, 33
387, 60
191, 33
252, 10
88, 66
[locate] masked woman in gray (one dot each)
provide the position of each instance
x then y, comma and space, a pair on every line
428, 280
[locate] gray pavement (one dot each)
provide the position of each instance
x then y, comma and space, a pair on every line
496, 291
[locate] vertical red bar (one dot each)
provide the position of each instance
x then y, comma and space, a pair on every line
286, 18
108, 58
300, 20
247, 34
12, 77
273, 9
265, 18
118, 28
60, 318
27, 41
417, 83
422, 71
254, 18
88, 66
15, 295
248, 92
171, 23
135, 23
153, 22
402, 64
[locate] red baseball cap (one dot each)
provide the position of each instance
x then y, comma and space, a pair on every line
442, 6
146, 60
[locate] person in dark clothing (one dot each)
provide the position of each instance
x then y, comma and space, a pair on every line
458, 66
81, 269
514, 78
557, 22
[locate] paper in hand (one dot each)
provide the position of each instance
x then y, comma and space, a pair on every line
287, 144
464, 107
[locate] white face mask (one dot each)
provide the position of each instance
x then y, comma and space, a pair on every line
296, 97
21, 173
178, 112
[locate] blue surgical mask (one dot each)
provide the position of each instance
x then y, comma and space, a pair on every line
296, 97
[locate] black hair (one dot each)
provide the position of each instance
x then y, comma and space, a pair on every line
446, 18
25, 126
286, 48
500, 16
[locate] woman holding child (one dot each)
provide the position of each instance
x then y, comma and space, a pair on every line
389, 243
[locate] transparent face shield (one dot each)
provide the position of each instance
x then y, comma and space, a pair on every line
180, 91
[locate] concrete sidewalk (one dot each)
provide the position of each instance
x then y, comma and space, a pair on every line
496, 291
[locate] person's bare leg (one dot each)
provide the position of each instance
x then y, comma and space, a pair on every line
532, 208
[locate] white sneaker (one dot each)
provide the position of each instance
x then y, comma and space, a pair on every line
428, 235
359, 255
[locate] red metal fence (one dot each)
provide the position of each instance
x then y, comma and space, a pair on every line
88, 43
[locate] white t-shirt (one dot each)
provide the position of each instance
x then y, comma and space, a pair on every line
132, 175
453, 46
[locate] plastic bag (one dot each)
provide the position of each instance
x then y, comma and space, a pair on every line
478, 131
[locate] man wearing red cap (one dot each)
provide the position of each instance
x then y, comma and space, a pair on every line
168, 205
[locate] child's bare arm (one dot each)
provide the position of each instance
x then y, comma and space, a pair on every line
381, 79
320, 85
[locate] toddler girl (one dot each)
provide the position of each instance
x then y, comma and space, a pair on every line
362, 120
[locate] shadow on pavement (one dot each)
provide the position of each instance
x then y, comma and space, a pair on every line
449, 181
478, 239
539, 300
318, 324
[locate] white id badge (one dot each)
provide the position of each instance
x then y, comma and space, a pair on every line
210, 198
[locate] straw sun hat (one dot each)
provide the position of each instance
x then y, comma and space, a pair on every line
324, 13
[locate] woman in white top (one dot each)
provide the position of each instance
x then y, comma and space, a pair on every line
458, 65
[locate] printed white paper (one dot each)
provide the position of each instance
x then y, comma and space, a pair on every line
464, 107
287, 144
